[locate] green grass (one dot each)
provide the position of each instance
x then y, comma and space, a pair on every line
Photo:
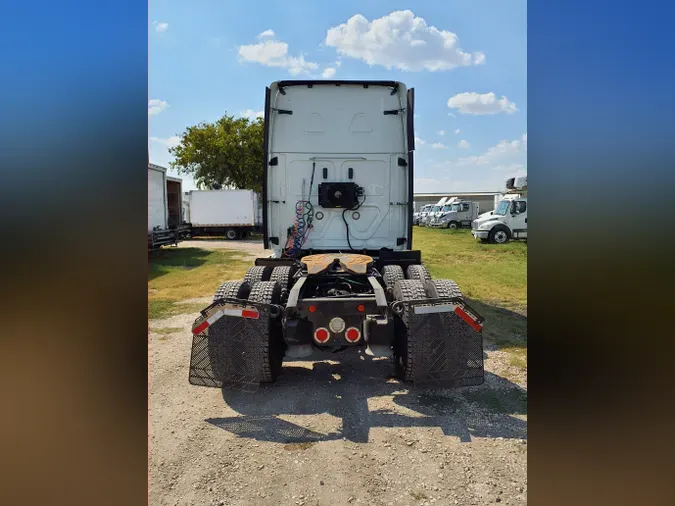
166, 330
176, 274
417, 495
494, 274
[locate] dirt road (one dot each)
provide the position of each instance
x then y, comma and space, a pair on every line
330, 433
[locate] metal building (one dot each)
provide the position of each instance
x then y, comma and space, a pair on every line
486, 200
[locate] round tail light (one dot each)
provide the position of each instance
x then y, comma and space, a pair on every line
321, 335
353, 334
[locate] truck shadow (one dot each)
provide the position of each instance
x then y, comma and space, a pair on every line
343, 390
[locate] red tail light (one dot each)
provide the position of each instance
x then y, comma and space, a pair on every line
353, 334
321, 335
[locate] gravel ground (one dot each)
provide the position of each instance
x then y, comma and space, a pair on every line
253, 246
331, 433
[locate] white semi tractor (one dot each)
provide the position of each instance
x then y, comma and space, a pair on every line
508, 221
337, 214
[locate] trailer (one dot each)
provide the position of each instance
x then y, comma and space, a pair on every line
343, 274
231, 213
165, 209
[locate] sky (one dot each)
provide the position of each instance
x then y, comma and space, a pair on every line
466, 59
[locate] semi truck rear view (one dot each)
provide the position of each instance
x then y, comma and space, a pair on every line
337, 214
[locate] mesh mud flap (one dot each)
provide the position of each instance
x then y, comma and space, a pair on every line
448, 342
228, 344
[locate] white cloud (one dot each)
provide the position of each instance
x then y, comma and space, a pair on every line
265, 34
338, 62
451, 115
419, 141
155, 106
328, 73
504, 156
438, 145
475, 103
251, 114
161, 26
458, 131
274, 53
441, 132
400, 40
170, 142
463, 144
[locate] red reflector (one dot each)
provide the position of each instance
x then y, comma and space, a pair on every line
468, 319
200, 328
312, 309
361, 308
247, 313
321, 335
353, 334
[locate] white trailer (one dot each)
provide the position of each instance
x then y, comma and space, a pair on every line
232, 213
456, 213
165, 209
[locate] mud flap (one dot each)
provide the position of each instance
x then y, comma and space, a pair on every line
228, 344
448, 342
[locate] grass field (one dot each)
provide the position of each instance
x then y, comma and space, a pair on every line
493, 278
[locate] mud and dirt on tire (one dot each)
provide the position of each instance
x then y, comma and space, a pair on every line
269, 292
418, 272
391, 274
233, 289
258, 273
282, 275
499, 234
405, 290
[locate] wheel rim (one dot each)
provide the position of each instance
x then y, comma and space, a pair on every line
231, 234
452, 225
500, 236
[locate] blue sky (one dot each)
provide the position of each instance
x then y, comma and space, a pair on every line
466, 59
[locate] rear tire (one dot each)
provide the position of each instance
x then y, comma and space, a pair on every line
418, 272
233, 289
282, 275
258, 273
391, 274
442, 288
405, 290
232, 234
269, 292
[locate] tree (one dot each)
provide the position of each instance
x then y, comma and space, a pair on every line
228, 152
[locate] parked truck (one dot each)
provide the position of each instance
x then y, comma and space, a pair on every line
232, 213
165, 208
421, 214
337, 215
508, 221
456, 214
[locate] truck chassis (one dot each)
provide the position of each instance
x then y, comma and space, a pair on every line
286, 308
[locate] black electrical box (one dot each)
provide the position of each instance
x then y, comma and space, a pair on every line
338, 195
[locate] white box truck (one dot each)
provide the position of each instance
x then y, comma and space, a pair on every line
337, 215
232, 213
508, 220
165, 208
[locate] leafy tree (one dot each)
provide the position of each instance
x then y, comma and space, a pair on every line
226, 153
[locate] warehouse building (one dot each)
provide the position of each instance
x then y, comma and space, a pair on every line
486, 200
